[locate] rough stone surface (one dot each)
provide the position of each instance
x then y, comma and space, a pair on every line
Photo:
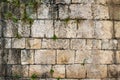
42, 28
65, 40
96, 71
75, 71
44, 56
81, 11
32, 43
65, 56
68, 29
59, 71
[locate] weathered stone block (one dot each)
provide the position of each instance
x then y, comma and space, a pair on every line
83, 1
102, 57
101, 12
45, 56
118, 56
112, 71
63, 1
18, 43
118, 44
85, 29
78, 44
40, 70
80, 11
96, 71
116, 13
116, 1
10, 29
117, 29
58, 44
103, 1
23, 29
32, 43
109, 44
59, 71
63, 11
65, 56
83, 56
8, 43
13, 56
103, 29
65, 29
42, 28
27, 56
75, 71
45, 11
20, 71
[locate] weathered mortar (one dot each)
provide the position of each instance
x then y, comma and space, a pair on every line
86, 44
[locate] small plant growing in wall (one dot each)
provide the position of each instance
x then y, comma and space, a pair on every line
16, 76
84, 62
34, 76
58, 78
54, 37
51, 72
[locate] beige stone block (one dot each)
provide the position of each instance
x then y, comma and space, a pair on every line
117, 29
103, 29
85, 29
96, 71
18, 43
65, 29
63, 1
78, 44
65, 56
101, 12
75, 71
8, 42
42, 28
59, 71
63, 11
40, 70
27, 56
83, 1
32, 43
118, 56
112, 71
45, 57
83, 56
55, 44
80, 11
109, 44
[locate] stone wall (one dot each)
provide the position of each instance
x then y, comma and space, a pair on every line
73, 39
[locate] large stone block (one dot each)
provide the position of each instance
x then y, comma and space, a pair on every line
42, 71
27, 56
18, 43
115, 12
8, 43
96, 71
103, 29
118, 56
116, 1
104, 1
45, 57
63, 11
113, 71
45, 11
33, 43
78, 44
117, 29
19, 71
58, 44
75, 71
65, 29
85, 29
63, 1
10, 28
109, 44
80, 11
42, 28
101, 12
59, 71
65, 56
83, 1
23, 29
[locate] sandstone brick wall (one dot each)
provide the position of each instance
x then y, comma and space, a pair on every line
77, 39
